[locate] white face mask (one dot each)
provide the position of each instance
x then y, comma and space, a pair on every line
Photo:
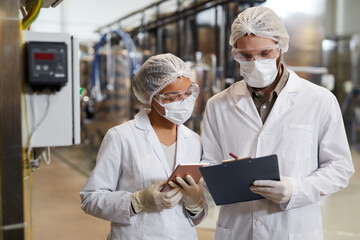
178, 112
260, 73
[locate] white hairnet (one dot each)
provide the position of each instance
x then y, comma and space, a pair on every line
260, 21
156, 73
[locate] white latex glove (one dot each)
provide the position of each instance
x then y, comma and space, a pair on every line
276, 191
152, 198
191, 191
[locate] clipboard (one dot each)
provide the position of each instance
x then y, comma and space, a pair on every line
230, 181
182, 170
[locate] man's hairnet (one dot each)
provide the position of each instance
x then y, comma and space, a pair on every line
260, 21
156, 73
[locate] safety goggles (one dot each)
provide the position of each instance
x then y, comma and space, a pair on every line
169, 97
245, 55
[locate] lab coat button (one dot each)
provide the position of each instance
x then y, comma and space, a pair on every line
258, 223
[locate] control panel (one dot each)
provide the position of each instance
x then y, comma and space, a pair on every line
51, 106
46, 64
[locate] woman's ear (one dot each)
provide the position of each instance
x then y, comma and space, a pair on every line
157, 107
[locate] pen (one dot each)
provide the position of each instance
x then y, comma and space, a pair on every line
233, 155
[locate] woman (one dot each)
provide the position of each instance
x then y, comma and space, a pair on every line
137, 157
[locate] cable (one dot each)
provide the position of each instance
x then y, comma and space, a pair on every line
29, 147
29, 162
47, 158
95, 62
23, 12
32, 15
130, 47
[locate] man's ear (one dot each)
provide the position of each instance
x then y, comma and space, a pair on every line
278, 60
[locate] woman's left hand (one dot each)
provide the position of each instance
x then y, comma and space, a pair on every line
192, 192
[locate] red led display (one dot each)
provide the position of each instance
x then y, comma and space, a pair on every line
44, 56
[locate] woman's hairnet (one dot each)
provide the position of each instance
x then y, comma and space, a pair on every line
156, 73
260, 21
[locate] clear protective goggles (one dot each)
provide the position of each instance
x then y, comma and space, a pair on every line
246, 55
169, 97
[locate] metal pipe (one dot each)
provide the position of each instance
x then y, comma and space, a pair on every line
197, 7
129, 15
11, 161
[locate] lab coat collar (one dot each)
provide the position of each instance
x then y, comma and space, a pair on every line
285, 101
294, 84
181, 146
142, 122
242, 98
183, 131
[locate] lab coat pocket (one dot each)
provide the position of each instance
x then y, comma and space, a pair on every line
223, 233
297, 140
314, 235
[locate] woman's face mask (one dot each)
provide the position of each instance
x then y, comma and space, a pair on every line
178, 105
180, 111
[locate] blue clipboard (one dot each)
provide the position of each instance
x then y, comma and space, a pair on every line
230, 181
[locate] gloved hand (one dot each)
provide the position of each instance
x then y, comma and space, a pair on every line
152, 198
276, 191
191, 191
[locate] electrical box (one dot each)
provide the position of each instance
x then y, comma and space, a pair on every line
46, 65
51, 106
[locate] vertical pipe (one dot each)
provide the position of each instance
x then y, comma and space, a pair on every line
222, 41
186, 38
11, 165
178, 35
110, 86
194, 33
216, 34
159, 33
340, 11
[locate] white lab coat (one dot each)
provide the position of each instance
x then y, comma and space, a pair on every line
305, 129
131, 158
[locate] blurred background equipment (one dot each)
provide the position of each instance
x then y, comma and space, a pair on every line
347, 63
198, 31
115, 38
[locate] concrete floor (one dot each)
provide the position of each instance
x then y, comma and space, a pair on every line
57, 214
56, 206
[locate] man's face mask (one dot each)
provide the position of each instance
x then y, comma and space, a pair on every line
258, 66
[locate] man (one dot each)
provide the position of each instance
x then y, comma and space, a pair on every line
274, 111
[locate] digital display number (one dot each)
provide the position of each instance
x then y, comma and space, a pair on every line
44, 56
